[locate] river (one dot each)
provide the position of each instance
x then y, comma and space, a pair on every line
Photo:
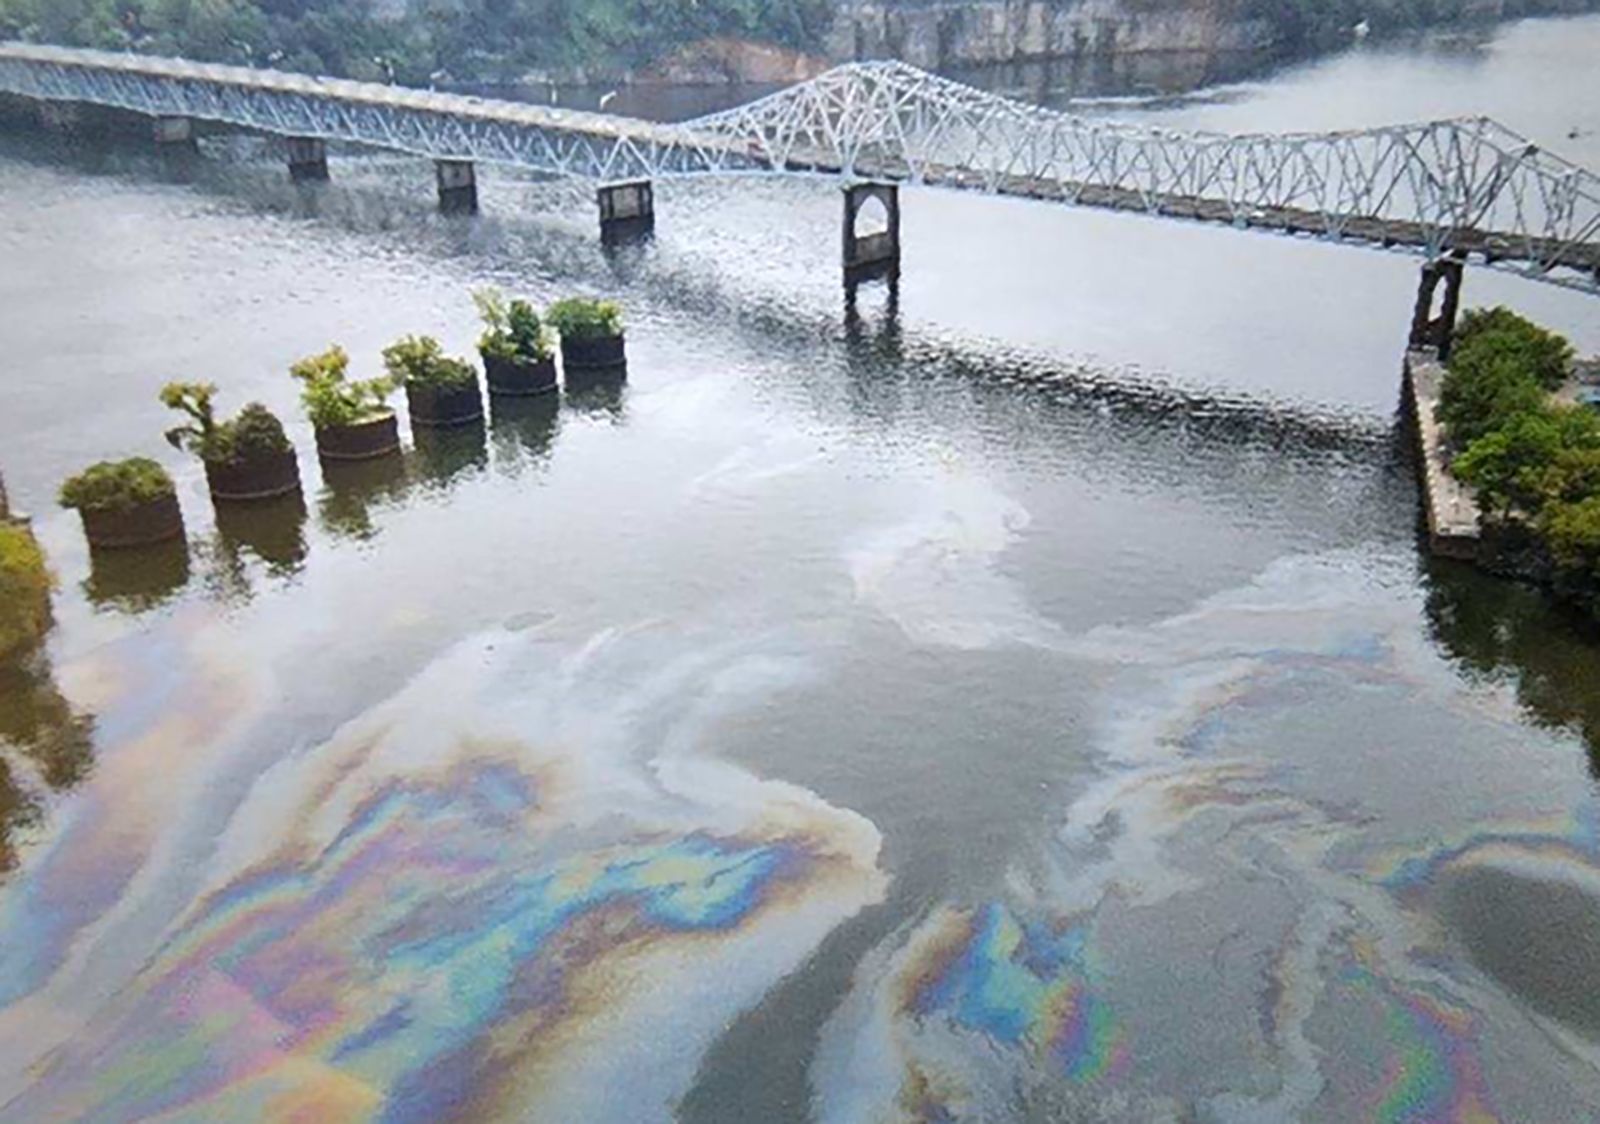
1020, 698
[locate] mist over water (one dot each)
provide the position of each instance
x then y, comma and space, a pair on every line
1018, 697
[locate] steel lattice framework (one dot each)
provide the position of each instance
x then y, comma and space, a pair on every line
1465, 186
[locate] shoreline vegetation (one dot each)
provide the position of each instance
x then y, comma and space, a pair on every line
697, 42
1522, 437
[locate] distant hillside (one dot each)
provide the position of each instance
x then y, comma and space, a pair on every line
943, 33
415, 41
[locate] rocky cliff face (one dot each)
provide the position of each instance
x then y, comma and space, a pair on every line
953, 33
964, 32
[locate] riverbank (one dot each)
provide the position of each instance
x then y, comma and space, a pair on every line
1510, 455
1450, 507
1207, 40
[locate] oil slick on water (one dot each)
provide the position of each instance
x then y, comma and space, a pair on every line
478, 901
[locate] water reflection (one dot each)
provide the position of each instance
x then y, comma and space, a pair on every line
525, 431
876, 334
45, 745
598, 393
272, 531
137, 579
442, 459
352, 490
1502, 631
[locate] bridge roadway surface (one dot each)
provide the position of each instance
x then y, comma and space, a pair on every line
1467, 187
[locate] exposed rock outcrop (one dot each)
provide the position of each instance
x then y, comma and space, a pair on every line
952, 33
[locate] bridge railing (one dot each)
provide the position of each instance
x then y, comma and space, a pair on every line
421, 122
1466, 185
1457, 186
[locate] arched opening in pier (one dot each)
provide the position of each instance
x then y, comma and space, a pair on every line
872, 217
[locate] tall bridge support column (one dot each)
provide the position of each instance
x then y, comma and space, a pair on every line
458, 186
879, 252
308, 159
174, 134
1428, 330
627, 210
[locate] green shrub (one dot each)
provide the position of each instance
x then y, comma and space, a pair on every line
1534, 463
330, 399
1572, 531
255, 432
25, 585
1489, 335
1507, 464
1479, 398
583, 318
511, 330
117, 485
421, 361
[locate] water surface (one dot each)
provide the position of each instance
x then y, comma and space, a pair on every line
1018, 697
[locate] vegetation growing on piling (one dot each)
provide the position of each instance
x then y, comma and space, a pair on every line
1534, 461
584, 318
421, 361
512, 330
331, 399
256, 432
117, 486
25, 584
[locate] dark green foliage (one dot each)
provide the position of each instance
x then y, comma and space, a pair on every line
1480, 397
469, 39
1535, 463
1488, 336
1573, 531
256, 432
24, 592
584, 318
117, 485
1514, 466
420, 361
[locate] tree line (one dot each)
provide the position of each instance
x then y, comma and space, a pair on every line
414, 41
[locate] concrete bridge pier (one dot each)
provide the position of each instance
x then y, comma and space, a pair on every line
174, 134
458, 186
627, 210
1436, 330
877, 253
308, 159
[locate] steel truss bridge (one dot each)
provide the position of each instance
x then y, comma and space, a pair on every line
1464, 187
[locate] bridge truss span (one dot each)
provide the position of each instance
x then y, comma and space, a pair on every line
1456, 187
1463, 186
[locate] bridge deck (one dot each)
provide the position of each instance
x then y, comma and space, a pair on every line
1464, 186
345, 90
